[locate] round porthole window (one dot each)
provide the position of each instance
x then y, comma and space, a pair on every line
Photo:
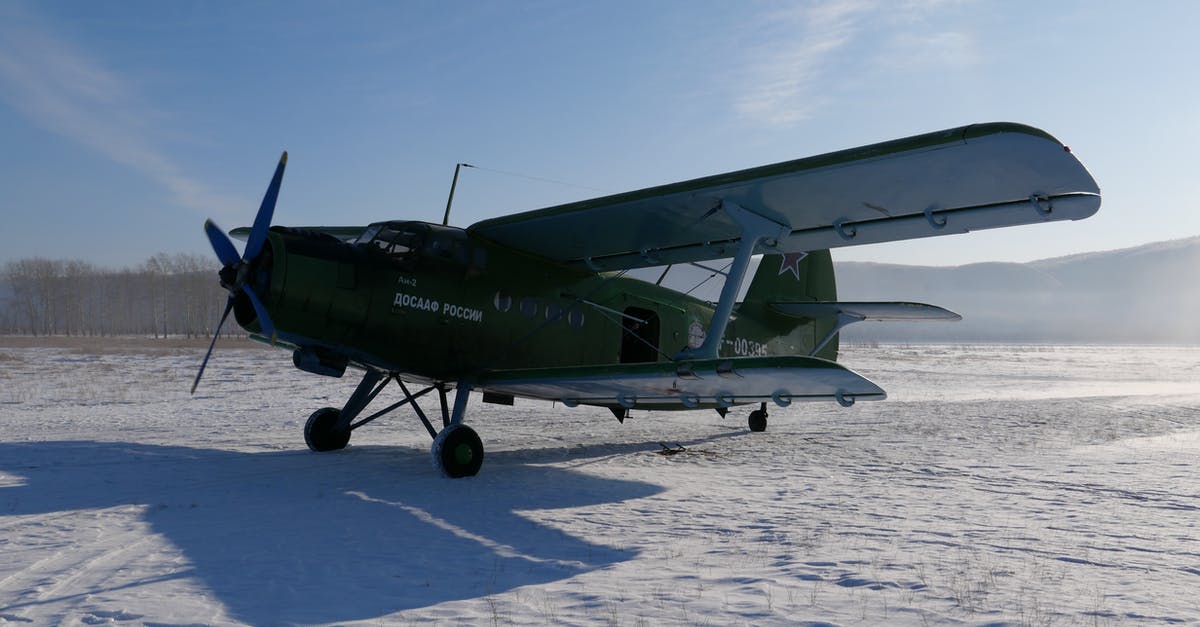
502, 301
529, 306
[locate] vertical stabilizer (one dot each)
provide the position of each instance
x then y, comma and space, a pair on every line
794, 277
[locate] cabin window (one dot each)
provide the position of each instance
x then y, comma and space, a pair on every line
575, 318
529, 306
502, 301
553, 312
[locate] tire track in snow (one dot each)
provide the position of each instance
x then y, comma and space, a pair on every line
48, 588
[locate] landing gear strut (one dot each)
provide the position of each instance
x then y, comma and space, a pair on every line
457, 449
758, 418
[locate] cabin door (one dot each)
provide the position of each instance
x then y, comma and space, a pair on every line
639, 336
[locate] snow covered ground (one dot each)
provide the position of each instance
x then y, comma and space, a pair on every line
1024, 485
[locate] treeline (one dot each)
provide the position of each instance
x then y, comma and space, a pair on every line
167, 295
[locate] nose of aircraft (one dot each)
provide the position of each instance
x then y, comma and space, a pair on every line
245, 275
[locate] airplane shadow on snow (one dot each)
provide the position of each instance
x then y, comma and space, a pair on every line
349, 535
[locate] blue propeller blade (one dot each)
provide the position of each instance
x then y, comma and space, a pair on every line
229, 257
221, 244
216, 334
264, 320
262, 221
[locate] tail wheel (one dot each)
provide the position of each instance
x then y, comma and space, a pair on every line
458, 451
321, 433
758, 420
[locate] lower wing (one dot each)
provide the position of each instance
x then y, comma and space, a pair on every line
712, 383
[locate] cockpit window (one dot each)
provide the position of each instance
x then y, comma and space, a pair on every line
368, 234
396, 239
425, 244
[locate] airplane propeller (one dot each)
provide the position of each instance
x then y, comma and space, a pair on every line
238, 271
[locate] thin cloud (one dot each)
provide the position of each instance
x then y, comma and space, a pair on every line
782, 83
65, 90
804, 55
930, 51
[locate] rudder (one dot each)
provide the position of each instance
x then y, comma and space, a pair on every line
793, 277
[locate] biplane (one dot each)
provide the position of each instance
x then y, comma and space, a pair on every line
540, 304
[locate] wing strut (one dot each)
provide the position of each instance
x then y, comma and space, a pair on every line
756, 229
843, 320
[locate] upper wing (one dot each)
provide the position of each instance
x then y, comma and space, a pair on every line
968, 178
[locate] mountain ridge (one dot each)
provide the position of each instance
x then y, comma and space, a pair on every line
1137, 294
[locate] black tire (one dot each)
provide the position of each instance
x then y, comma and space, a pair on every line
320, 432
758, 420
458, 451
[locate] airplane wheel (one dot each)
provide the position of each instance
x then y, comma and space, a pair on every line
320, 433
758, 420
458, 451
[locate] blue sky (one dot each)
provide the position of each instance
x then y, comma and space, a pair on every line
124, 125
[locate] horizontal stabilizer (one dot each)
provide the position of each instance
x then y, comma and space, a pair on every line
711, 383
864, 311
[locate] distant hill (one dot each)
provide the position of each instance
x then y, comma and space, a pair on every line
1148, 293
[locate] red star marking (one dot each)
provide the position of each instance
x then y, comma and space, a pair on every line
791, 263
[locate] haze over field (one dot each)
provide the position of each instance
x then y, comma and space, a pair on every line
1148, 293
1141, 294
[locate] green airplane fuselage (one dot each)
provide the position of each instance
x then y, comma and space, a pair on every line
437, 303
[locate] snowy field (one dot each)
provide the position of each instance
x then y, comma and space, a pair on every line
1022, 485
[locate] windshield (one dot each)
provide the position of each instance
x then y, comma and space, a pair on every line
428, 243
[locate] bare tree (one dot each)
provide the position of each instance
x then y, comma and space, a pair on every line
167, 295
31, 282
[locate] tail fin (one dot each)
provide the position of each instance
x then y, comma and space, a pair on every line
794, 277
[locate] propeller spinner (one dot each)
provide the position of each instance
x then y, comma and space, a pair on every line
238, 271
